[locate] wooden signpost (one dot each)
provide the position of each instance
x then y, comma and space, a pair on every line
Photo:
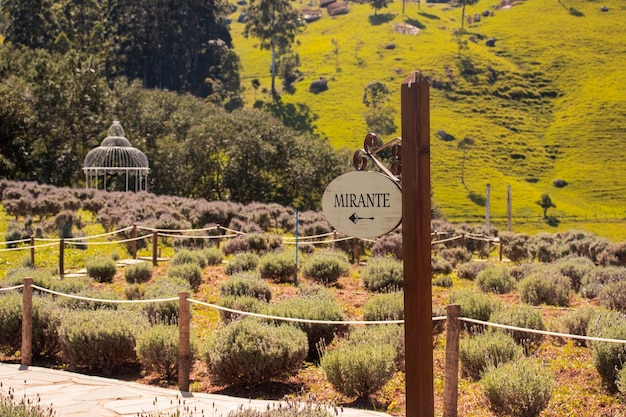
369, 204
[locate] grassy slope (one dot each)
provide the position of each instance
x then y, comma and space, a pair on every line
541, 48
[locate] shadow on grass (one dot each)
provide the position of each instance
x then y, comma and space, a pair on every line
552, 221
379, 19
429, 16
416, 23
477, 199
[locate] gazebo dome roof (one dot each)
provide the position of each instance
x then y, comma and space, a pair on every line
115, 151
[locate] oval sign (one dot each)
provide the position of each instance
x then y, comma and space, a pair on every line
363, 204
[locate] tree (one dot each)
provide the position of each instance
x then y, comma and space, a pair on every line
464, 3
545, 202
380, 117
378, 4
465, 145
31, 23
275, 23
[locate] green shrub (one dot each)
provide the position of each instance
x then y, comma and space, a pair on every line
383, 274
239, 303
157, 350
577, 321
100, 340
496, 279
213, 255
475, 305
456, 256
359, 370
608, 358
165, 312
11, 407
613, 296
192, 273
548, 287
101, 269
575, 268
515, 246
484, 350
290, 408
387, 306
443, 281
318, 307
187, 256
441, 266
258, 243
138, 273
381, 334
251, 352
519, 388
593, 282
245, 285
279, 267
470, 270
13, 233
134, 291
46, 320
242, 262
326, 267
621, 382
523, 316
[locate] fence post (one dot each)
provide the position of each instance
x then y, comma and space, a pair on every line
451, 377
27, 322
356, 251
500, 241
219, 233
61, 258
32, 251
155, 247
133, 245
184, 350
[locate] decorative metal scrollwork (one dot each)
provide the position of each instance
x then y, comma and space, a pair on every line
371, 147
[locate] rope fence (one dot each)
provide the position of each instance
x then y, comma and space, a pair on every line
452, 318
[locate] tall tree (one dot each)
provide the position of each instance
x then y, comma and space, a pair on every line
275, 23
463, 4
169, 44
546, 203
378, 4
31, 23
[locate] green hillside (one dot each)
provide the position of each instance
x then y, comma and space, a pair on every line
546, 102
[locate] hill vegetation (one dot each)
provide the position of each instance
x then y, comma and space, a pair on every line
545, 102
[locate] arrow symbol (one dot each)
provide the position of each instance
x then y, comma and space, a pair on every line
354, 218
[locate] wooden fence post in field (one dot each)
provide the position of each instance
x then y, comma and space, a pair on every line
451, 377
32, 251
184, 348
27, 322
61, 258
219, 233
356, 251
133, 244
155, 247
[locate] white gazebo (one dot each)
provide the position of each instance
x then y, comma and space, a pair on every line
116, 156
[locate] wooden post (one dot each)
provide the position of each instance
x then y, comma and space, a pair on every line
451, 377
61, 258
184, 347
155, 248
356, 250
219, 233
133, 244
415, 96
32, 251
27, 322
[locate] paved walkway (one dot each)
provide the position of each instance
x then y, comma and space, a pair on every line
73, 395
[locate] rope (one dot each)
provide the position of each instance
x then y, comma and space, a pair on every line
9, 242
543, 332
177, 230
15, 287
78, 297
310, 237
435, 242
292, 319
30, 247
194, 236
